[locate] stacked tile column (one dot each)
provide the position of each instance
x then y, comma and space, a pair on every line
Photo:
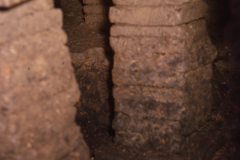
161, 74
38, 88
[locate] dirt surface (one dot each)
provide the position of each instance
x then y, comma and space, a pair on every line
95, 108
82, 37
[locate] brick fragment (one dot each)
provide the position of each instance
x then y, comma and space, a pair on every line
150, 2
167, 143
160, 15
23, 73
156, 116
30, 7
194, 30
39, 21
10, 3
191, 105
159, 62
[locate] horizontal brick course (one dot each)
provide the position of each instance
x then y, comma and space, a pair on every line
159, 15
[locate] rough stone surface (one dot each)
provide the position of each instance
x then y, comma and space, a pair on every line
158, 15
39, 21
160, 60
33, 6
160, 99
200, 145
160, 117
9, 3
37, 86
149, 2
159, 70
194, 30
162, 74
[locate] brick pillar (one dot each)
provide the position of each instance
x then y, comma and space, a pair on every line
161, 74
37, 85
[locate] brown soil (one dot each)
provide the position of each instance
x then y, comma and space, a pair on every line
95, 122
81, 36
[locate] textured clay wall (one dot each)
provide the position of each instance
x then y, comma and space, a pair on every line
37, 85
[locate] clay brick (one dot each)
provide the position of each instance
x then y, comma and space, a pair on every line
159, 62
199, 145
162, 104
27, 8
35, 74
40, 125
32, 46
37, 86
194, 30
190, 105
9, 3
159, 15
149, 116
39, 21
146, 133
95, 18
145, 125
149, 2
95, 9
167, 143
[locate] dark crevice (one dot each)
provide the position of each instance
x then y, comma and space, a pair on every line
94, 112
